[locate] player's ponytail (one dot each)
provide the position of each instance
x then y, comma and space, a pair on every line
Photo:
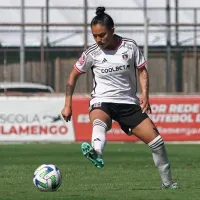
100, 11
102, 18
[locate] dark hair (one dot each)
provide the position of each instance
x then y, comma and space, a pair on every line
102, 18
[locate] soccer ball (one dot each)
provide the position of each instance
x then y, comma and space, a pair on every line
47, 177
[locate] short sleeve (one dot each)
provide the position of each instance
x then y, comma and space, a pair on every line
84, 63
139, 60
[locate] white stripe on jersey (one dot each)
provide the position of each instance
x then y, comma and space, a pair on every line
78, 70
90, 49
114, 72
142, 65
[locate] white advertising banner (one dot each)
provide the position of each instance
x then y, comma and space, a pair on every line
34, 119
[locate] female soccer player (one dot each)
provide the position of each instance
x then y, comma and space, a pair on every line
114, 61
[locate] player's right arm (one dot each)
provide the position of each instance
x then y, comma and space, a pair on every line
70, 86
81, 66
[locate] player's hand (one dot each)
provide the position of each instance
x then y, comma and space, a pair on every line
66, 113
145, 106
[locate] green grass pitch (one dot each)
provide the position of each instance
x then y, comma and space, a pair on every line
129, 172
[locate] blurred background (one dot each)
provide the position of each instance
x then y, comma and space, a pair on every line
41, 40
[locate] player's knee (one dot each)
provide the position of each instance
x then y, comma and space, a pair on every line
166, 167
99, 124
99, 131
156, 144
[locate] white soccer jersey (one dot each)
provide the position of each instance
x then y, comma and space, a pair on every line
114, 71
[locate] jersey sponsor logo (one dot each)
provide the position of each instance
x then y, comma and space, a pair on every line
82, 59
115, 69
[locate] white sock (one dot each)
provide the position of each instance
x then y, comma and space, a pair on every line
160, 159
99, 135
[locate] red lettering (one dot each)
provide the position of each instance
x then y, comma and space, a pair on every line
63, 130
13, 130
3, 131
23, 129
43, 130
53, 129
34, 130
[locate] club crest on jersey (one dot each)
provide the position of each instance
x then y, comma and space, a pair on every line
125, 56
82, 59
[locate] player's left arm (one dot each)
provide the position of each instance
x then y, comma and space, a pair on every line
144, 84
140, 63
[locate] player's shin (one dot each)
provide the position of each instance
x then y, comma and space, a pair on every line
160, 159
99, 135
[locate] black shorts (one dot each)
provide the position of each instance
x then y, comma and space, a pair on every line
127, 115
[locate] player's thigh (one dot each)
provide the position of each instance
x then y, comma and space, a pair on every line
102, 113
146, 131
130, 116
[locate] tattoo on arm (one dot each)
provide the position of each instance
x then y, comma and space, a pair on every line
69, 89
